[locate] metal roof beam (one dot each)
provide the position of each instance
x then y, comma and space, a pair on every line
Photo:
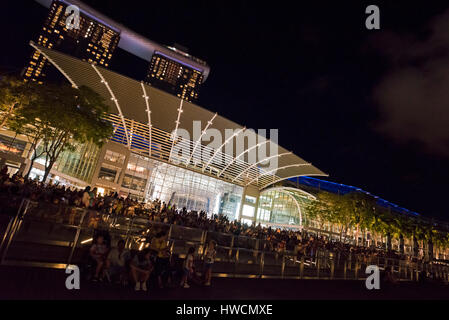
259, 162
280, 168
150, 126
209, 123
222, 146
176, 128
113, 98
241, 154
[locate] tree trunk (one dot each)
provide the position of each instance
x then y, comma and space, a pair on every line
48, 169
29, 169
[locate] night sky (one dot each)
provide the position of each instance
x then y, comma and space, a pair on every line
371, 108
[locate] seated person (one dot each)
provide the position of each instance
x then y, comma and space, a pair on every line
98, 252
117, 259
141, 268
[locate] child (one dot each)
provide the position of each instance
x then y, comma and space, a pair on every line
188, 268
209, 258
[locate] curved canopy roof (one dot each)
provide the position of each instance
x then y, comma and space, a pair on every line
146, 116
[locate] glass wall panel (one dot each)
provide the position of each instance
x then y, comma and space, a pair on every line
79, 163
193, 190
278, 207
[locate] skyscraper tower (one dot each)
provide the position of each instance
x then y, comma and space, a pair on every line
177, 77
93, 41
170, 69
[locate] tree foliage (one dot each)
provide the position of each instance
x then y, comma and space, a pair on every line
14, 94
59, 116
361, 212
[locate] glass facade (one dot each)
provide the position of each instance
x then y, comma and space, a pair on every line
278, 207
79, 163
134, 183
114, 157
108, 173
193, 190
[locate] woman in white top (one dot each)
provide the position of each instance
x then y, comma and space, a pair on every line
209, 257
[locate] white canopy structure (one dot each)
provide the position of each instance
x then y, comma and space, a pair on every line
145, 118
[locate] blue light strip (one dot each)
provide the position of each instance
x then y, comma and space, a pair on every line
344, 189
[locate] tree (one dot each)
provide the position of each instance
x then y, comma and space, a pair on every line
319, 210
14, 93
28, 124
360, 208
60, 116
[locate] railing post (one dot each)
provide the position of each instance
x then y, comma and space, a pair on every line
5, 235
131, 220
332, 268
75, 240
317, 265
236, 261
172, 247
345, 268
301, 267
11, 224
15, 227
203, 241
230, 249
283, 266
262, 263
170, 231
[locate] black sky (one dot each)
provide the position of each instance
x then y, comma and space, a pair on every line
368, 107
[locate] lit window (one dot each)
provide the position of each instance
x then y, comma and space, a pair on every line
250, 199
248, 211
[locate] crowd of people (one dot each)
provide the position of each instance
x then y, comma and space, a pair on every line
156, 259
119, 264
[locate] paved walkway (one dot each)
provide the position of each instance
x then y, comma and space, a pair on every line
36, 283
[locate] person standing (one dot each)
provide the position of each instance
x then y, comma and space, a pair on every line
188, 268
209, 258
160, 245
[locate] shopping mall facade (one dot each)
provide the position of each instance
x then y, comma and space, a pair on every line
142, 158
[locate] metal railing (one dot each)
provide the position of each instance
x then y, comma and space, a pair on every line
56, 235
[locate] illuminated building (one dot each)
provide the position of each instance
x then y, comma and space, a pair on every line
140, 160
174, 76
93, 41
169, 68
